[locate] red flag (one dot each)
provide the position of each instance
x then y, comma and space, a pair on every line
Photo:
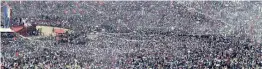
87, 66
101, 2
81, 11
17, 54
171, 3
65, 11
76, 4
74, 11
14, 38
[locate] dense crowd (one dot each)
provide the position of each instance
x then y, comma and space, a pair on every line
120, 35
185, 51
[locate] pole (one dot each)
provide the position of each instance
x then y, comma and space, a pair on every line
1, 45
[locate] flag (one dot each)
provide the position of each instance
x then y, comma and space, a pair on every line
101, 2
14, 38
74, 11
17, 54
65, 11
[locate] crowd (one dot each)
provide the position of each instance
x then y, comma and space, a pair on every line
139, 35
186, 51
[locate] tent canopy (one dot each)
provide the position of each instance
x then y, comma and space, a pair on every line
17, 28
